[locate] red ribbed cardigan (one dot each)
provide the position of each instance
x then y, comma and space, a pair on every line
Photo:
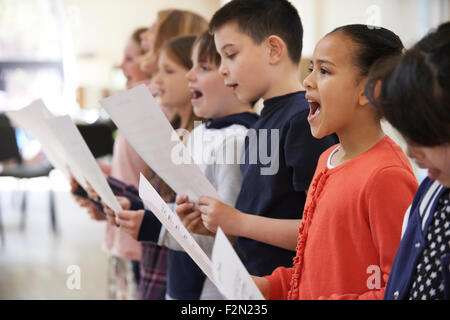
351, 227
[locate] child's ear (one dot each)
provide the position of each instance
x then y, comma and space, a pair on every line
363, 101
276, 48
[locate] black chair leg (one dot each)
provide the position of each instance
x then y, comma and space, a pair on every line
52, 211
23, 210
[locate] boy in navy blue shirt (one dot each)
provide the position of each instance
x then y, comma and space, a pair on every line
260, 58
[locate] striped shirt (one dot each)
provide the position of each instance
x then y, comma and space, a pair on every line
416, 242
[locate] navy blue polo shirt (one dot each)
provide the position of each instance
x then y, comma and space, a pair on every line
274, 185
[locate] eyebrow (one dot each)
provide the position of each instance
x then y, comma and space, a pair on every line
322, 61
226, 46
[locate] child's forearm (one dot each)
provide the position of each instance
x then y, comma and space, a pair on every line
281, 233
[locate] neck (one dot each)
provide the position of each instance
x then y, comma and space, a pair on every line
185, 114
358, 139
290, 82
235, 108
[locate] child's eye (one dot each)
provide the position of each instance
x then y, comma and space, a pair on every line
231, 56
169, 71
205, 68
324, 71
310, 69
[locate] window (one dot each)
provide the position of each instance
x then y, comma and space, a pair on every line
35, 60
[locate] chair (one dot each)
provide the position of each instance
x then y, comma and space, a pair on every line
98, 137
14, 166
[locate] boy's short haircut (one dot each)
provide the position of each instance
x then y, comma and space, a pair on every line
260, 19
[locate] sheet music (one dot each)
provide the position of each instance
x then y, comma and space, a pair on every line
229, 271
80, 158
173, 224
31, 119
140, 119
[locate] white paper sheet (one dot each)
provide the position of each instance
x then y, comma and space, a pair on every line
80, 158
173, 224
31, 119
139, 117
229, 271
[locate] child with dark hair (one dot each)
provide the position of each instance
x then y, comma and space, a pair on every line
413, 94
173, 64
215, 146
259, 59
352, 220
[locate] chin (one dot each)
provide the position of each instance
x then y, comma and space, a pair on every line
445, 181
246, 98
198, 111
316, 133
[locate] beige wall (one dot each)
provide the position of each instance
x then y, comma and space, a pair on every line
410, 19
100, 29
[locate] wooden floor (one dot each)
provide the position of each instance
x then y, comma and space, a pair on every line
34, 262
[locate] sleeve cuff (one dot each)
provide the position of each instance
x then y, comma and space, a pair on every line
279, 282
136, 204
150, 228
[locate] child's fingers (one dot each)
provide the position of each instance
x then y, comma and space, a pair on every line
124, 202
181, 199
207, 223
193, 224
109, 211
205, 218
124, 215
73, 184
190, 217
91, 192
205, 209
125, 224
204, 200
104, 205
184, 208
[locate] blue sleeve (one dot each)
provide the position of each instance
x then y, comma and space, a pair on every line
136, 204
150, 228
302, 150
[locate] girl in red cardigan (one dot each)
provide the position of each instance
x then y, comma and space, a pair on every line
361, 188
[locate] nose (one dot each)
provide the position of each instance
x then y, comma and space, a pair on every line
223, 70
122, 64
414, 152
308, 83
143, 35
190, 76
157, 78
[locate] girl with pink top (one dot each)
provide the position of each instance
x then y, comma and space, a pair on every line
150, 274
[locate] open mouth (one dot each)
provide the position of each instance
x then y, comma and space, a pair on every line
314, 109
196, 94
157, 93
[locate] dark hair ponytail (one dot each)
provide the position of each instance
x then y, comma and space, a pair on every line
414, 94
374, 43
